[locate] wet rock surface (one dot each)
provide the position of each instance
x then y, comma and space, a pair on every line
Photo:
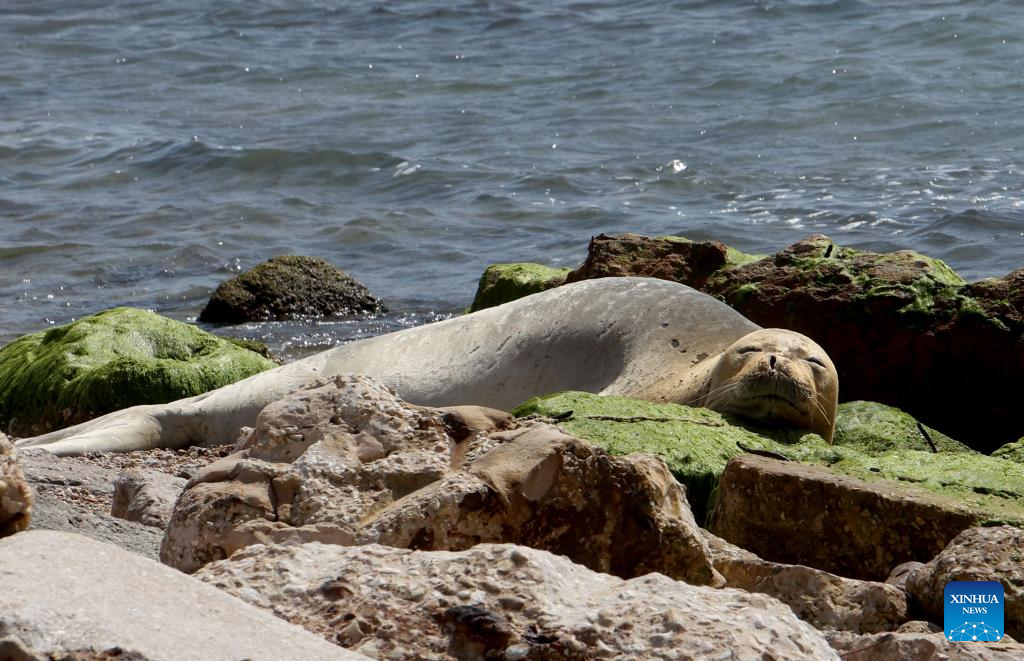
504, 601
289, 287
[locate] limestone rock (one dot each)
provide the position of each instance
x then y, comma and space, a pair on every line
978, 554
920, 647
345, 461
109, 361
146, 497
15, 495
801, 514
504, 601
60, 592
824, 600
288, 287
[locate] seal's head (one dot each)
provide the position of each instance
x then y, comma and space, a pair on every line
777, 376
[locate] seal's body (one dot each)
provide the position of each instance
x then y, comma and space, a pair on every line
635, 337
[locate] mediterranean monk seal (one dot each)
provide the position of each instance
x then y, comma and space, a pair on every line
635, 337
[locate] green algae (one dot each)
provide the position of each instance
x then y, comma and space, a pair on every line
1011, 452
874, 443
874, 428
935, 287
695, 443
988, 484
502, 283
109, 361
734, 258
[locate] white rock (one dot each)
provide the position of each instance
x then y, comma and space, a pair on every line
63, 591
550, 606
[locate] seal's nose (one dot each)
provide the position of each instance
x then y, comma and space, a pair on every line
771, 361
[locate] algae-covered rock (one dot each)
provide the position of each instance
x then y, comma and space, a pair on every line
873, 428
902, 328
109, 361
873, 443
988, 485
1011, 452
288, 287
695, 443
502, 283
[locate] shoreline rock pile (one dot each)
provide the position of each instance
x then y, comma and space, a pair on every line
348, 523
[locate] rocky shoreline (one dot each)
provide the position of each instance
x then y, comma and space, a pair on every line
350, 524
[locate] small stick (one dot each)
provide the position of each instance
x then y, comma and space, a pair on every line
928, 438
761, 452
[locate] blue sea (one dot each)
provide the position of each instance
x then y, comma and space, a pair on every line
152, 149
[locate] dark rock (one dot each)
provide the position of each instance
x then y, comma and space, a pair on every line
289, 287
665, 257
901, 328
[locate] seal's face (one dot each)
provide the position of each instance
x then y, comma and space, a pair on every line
777, 376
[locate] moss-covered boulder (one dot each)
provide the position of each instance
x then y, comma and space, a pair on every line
289, 287
873, 443
109, 361
1011, 452
695, 443
502, 283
